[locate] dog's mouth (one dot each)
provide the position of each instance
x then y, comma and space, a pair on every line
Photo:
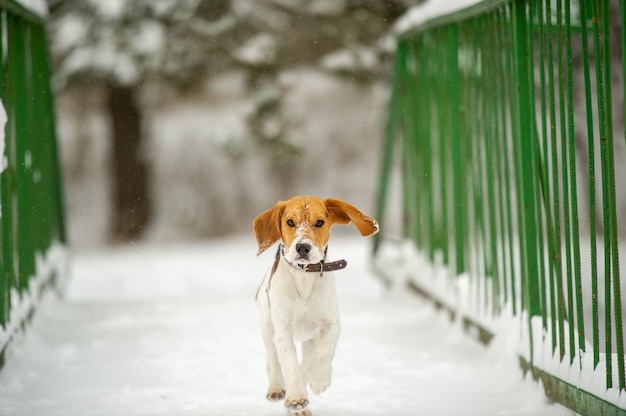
304, 259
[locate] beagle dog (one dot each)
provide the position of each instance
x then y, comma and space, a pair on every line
297, 299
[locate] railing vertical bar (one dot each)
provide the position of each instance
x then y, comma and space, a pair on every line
434, 146
556, 254
414, 143
402, 115
423, 124
427, 136
598, 25
516, 149
552, 197
433, 116
541, 215
500, 137
410, 154
545, 170
479, 183
415, 78
537, 226
565, 185
509, 161
404, 91
457, 142
41, 161
592, 185
440, 143
414, 85
466, 136
477, 190
7, 183
463, 39
15, 94
485, 183
488, 76
526, 145
577, 283
497, 137
446, 153
534, 56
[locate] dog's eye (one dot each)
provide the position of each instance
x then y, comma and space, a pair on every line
291, 223
319, 223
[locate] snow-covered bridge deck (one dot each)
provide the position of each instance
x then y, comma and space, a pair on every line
147, 330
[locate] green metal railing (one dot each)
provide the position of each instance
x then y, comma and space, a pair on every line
503, 118
31, 211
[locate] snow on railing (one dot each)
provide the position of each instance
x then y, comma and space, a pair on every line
51, 270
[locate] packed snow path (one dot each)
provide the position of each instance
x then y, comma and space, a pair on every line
174, 330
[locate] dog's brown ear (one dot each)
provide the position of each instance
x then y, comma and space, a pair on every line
267, 227
343, 213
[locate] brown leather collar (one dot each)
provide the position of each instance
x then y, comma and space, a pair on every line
320, 267
326, 267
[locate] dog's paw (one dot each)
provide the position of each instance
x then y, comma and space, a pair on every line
319, 381
275, 395
295, 405
318, 388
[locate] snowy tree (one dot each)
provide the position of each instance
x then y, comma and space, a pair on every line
126, 45
123, 44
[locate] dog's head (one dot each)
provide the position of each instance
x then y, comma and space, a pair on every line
303, 224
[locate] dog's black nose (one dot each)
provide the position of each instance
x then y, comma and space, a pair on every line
303, 249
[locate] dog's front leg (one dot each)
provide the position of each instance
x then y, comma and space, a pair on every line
296, 394
321, 351
276, 389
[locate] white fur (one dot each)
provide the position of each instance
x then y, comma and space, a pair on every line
297, 305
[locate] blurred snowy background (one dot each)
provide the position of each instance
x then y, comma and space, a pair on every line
184, 119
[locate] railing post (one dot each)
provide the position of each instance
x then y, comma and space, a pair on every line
526, 145
458, 180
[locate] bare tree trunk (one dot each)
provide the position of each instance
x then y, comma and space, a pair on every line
131, 203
